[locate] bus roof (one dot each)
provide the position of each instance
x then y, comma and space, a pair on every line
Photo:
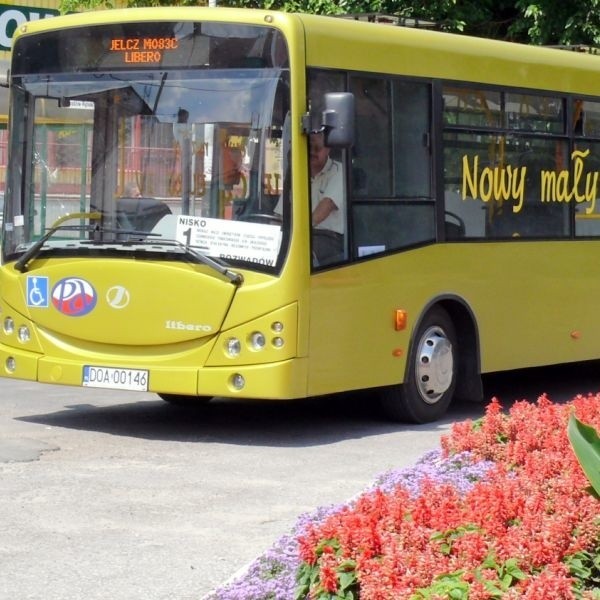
364, 46
374, 47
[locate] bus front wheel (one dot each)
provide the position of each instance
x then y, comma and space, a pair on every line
430, 375
188, 401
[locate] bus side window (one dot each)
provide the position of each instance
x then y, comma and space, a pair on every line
412, 152
328, 203
521, 164
392, 200
372, 153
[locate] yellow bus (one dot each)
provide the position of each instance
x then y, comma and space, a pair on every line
168, 168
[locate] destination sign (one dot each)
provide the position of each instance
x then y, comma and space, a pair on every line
231, 240
133, 45
142, 50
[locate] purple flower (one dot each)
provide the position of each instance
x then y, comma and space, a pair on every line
272, 576
460, 470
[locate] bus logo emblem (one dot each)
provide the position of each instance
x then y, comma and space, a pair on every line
118, 297
74, 297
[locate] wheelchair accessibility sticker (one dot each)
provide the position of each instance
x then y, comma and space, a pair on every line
37, 292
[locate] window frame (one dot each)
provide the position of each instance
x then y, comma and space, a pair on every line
438, 127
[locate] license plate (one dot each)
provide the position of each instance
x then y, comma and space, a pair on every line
120, 379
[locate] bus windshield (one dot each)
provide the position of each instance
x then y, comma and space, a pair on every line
151, 151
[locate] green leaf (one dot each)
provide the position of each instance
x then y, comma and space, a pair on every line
586, 443
511, 567
346, 580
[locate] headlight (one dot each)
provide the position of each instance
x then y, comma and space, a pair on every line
257, 340
233, 347
9, 325
238, 381
24, 334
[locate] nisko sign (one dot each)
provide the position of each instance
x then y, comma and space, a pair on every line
12, 17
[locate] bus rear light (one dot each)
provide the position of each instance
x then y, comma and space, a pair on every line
401, 319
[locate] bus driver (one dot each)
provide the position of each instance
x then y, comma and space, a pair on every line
327, 202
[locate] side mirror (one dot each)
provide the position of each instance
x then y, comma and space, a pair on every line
338, 119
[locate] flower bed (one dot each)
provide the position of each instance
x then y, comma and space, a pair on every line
502, 510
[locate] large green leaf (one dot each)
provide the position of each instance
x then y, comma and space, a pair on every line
586, 443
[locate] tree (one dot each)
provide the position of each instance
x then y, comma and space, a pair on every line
560, 21
547, 22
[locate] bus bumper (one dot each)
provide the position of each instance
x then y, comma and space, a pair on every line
279, 380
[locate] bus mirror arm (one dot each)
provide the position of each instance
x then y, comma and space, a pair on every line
307, 125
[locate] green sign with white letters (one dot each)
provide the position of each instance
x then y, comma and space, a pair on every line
12, 16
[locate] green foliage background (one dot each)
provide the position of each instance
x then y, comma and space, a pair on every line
546, 22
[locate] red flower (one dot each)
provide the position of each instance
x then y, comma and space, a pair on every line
530, 512
328, 570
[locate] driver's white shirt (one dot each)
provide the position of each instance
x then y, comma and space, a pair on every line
329, 183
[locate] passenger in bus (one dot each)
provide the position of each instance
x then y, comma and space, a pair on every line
327, 202
132, 191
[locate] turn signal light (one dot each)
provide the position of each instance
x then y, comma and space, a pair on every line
401, 319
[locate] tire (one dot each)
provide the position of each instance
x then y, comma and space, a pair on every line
430, 373
187, 401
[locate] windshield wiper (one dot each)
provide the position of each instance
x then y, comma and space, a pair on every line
236, 278
35, 249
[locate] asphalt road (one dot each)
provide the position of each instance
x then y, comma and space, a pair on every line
116, 495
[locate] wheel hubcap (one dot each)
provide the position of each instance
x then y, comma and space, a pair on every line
434, 368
